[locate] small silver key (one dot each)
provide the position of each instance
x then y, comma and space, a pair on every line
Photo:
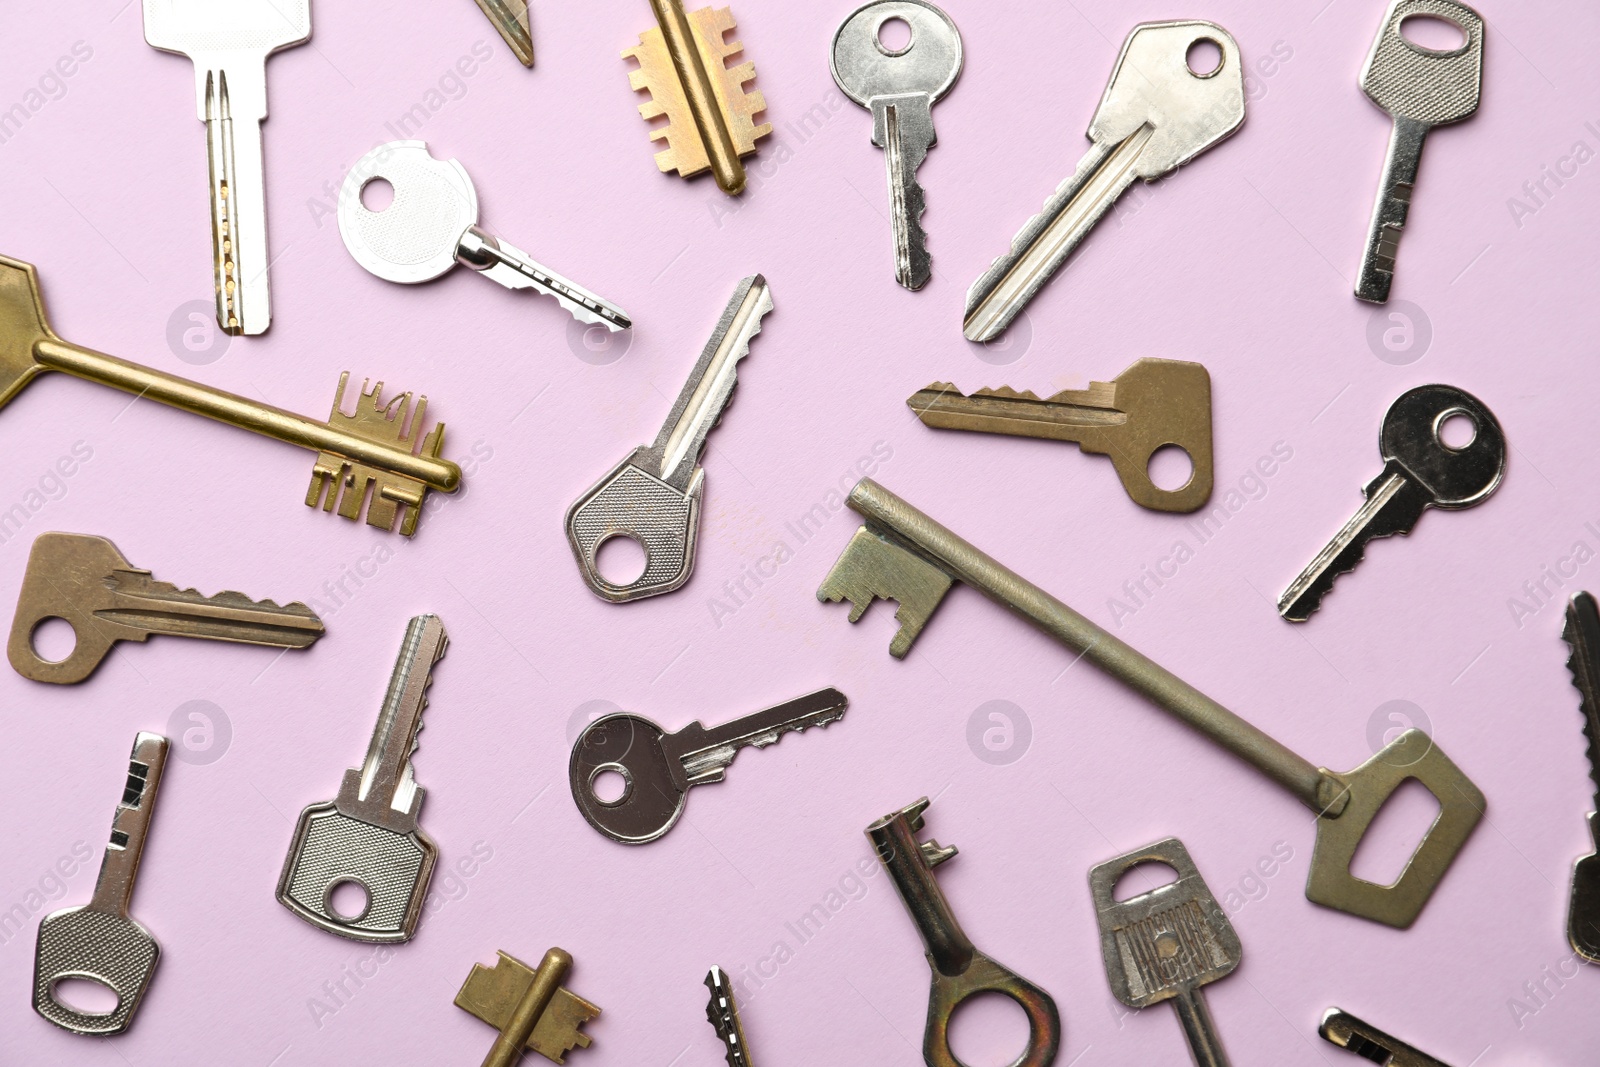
1156, 115
658, 768
368, 835
653, 496
1166, 944
1420, 88
99, 941
1341, 1028
900, 86
1420, 472
432, 225
229, 42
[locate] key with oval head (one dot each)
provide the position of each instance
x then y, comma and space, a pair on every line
900, 86
369, 835
1156, 115
432, 224
653, 496
1420, 88
99, 941
1420, 472
1167, 943
658, 768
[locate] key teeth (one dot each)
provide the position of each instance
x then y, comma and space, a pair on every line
1019, 244
353, 486
1583, 663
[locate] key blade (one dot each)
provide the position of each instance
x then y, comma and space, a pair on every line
1582, 634
130, 825
903, 128
1340, 1028
706, 754
493, 993
386, 774
722, 1011
515, 269
510, 18
874, 567
22, 325
162, 608
238, 207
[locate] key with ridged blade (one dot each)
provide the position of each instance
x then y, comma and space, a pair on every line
1582, 634
1151, 405
529, 1006
722, 1012
1340, 1028
376, 459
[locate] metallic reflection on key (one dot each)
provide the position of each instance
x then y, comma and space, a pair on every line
1367, 1041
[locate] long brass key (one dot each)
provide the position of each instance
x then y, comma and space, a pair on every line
376, 459
530, 1008
903, 555
1152, 404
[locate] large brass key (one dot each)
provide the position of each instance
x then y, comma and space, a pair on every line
376, 459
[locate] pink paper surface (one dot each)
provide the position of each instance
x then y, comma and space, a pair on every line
1244, 261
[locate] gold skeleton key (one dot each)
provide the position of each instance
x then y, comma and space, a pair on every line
683, 63
529, 1008
375, 458
1152, 404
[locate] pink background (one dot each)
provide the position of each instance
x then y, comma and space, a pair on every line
1244, 262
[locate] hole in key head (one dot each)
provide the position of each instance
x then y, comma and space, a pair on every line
377, 194
894, 36
348, 900
1141, 878
85, 996
621, 559
1204, 57
1394, 834
610, 783
989, 1029
53, 639
1455, 429
1170, 468
1433, 33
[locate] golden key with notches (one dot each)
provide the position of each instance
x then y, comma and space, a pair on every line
376, 459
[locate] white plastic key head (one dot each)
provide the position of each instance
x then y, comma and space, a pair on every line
416, 237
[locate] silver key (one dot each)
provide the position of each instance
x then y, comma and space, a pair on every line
1156, 115
900, 88
658, 768
722, 1011
1420, 88
432, 225
229, 42
99, 941
369, 833
653, 495
1420, 471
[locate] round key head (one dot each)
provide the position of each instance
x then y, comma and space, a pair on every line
1424, 84
1456, 477
628, 747
414, 238
865, 67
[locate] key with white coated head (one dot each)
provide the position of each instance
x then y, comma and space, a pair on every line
99, 941
369, 835
432, 225
1156, 115
653, 496
1420, 472
1420, 88
229, 42
658, 768
900, 86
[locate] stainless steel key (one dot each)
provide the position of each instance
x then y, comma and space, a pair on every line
1166, 944
1582, 634
653, 496
722, 1011
900, 86
1420, 88
99, 941
1420, 472
229, 42
902, 554
1156, 115
658, 769
368, 835
1367, 1041
432, 225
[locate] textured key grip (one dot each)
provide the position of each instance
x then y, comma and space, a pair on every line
630, 502
88, 944
416, 237
1419, 83
331, 848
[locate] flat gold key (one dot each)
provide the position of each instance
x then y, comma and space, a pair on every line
376, 459
529, 1006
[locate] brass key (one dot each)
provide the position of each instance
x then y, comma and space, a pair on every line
376, 458
529, 1006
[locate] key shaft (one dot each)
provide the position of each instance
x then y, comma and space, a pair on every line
238, 212
510, 19
705, 754
695, 83
1582, 634
130, 827
1340, 1028
722, 1011
513, 268
387, 780
1395, 188
903, 128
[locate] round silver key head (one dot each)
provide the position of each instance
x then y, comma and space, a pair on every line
629, 746
1456, 477
415, 238
1424, 84
929, 63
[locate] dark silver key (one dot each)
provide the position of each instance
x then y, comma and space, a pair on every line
1582, 634
1367, 1041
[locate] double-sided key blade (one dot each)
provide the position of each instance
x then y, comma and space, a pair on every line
705, 754
1340, 1028
1156, 115
99, 941
1582, 634
85, 581
722, 1011
515, 269
1420, 88
229, 44
510, 19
